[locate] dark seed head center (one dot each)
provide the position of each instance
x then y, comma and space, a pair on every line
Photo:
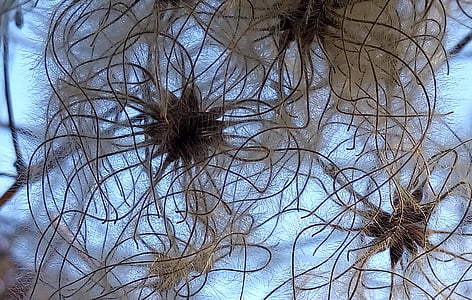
184, 132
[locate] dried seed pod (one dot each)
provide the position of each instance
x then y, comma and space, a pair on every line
392, 239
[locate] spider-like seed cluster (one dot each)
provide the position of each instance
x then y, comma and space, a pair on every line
184, 132
402, 230
194, 149
307, 20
